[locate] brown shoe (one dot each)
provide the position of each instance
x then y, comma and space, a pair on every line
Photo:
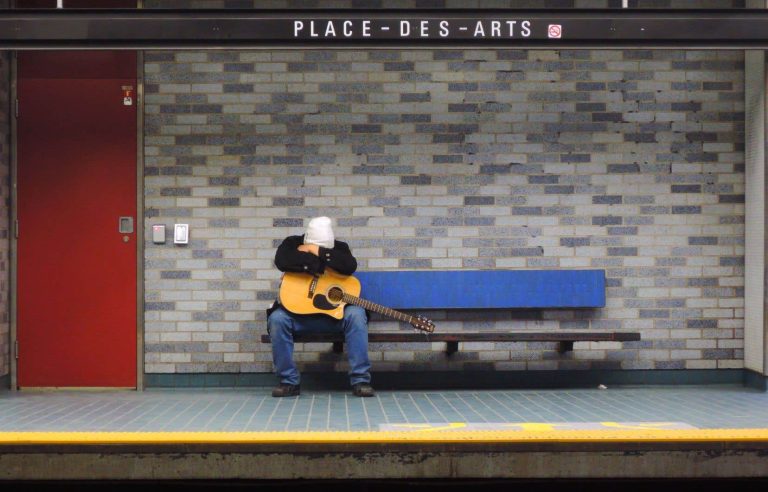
363, 389
286, 390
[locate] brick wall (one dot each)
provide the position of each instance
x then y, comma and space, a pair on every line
631, 161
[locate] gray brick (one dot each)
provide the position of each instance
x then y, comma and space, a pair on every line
208, 253
574, 242
623, 168
176, 274
622, 231
559, 190
686, 188
415, 263
622, 251
479, 200
607, 220
669, 364
703, 282
717, 354
159, 306
703, 241
398, 66
207, 316
463, 108
176, 347
526, 210
730, 199
176, 192
224, 181
237, 88
223, 202
607, 200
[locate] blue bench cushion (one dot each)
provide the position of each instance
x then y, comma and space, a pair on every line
484, 289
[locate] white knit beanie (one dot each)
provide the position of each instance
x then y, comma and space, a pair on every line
320, 232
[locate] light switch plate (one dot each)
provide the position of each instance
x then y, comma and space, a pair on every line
181, 234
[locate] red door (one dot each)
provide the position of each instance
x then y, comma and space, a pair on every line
76, 277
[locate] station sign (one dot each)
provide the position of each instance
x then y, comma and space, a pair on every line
508, 28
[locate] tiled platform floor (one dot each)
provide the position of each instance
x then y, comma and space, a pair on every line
254, 410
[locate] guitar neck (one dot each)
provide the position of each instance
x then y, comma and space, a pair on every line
378, 308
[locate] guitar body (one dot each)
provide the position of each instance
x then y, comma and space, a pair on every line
302, 293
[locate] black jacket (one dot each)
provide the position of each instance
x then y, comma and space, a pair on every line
289, 259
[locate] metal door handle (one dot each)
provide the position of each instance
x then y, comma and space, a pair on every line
125, 225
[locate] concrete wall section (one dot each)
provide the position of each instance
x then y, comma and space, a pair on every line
754, 157
695, 461
631, 161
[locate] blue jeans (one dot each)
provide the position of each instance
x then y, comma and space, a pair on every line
282, 325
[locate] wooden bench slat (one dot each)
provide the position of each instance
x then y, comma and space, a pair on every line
564, 340
374, 337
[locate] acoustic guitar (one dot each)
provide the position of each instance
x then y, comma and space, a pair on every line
302, 293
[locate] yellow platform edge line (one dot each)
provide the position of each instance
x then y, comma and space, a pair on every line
343, 437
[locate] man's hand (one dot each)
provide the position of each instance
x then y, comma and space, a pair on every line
310, 248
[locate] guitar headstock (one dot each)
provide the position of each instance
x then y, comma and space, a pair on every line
423, 324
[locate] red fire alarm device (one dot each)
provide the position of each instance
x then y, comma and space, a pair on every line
127, 95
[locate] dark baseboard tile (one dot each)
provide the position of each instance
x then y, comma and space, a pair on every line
442, 380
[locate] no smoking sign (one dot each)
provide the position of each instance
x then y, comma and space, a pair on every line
555, 31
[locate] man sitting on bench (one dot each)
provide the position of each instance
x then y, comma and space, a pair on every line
312, 253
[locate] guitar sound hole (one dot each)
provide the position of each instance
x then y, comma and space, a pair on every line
335, 294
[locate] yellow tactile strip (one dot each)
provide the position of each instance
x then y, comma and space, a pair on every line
448, 436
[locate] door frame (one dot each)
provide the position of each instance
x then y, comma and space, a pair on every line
13, 232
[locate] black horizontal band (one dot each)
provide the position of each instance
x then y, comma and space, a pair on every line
210, 29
